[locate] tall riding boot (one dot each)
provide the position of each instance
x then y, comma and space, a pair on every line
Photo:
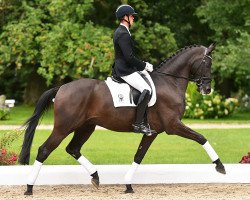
140, 126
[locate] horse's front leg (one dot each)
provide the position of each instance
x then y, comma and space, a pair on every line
141, 151
180, 129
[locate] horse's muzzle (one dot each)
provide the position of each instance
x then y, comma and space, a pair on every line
208, 90
204, 89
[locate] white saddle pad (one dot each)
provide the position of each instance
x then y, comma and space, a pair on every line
120, 92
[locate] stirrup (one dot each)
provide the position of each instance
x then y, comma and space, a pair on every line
144, 129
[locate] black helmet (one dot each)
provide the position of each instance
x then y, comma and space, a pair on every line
123, 10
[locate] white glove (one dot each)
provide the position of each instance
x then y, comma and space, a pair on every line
149, 67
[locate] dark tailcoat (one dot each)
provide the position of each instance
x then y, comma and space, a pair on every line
125, 60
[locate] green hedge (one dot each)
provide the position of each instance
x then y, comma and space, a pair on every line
212, 105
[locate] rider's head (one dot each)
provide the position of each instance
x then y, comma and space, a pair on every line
125, 13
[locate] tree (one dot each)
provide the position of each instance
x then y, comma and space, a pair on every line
55, 44
179, 16
45, 42
230, 21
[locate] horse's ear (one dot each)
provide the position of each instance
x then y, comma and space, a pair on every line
211, 48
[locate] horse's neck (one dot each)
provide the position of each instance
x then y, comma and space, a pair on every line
177, 69
178, 66
170, 83
181, 63
177, 72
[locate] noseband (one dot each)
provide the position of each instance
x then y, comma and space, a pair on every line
200, 80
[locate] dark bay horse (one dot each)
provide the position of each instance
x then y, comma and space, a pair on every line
83, 104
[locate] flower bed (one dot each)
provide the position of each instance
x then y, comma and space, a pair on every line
212, 105
7, 158
245, 159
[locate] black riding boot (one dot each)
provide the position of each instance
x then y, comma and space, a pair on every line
140, 126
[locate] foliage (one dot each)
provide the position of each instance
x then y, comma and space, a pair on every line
55, 43
232, 62
8, 157
230, 22
156, 40
245, 103
212, 105
4, 110
73, 39
179, 16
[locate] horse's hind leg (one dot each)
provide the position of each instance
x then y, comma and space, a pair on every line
81, 135
183, 131
43, 152
141, 151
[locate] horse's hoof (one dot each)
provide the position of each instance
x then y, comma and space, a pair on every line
95, 182
28, 193
220, 168
29, 190
129, 189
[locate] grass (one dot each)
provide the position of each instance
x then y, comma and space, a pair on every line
107, 147
20, 114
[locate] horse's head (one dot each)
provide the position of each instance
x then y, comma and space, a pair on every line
201, 71
192, 63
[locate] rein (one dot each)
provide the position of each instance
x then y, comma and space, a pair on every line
175, 76
197, 80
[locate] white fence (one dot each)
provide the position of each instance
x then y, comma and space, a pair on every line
114, 174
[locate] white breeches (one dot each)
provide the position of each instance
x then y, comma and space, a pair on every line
137, 82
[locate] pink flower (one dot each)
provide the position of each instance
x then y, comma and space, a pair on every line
3, 151
7, 158
245, 159
13, 158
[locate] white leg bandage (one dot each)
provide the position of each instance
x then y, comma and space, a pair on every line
130, 174
87, 165
34, 173
210, 151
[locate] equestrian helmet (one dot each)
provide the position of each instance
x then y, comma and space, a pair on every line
123, 10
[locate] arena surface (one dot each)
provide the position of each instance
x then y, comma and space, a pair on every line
145, 192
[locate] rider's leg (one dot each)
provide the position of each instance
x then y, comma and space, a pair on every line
142, 106
136, 81
140, 126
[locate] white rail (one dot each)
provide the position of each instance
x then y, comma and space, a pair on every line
114, 174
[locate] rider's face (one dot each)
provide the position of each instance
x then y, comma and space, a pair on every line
131, 19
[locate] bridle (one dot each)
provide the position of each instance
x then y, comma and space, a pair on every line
201, 79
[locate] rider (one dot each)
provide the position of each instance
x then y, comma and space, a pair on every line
127, 66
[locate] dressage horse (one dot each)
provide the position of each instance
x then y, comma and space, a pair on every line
81, 105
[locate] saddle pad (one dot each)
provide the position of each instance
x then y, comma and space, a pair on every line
120, 93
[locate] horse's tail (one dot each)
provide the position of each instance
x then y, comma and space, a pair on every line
42, 106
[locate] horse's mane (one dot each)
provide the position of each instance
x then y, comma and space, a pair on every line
177, 53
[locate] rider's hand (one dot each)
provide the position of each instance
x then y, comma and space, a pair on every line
149, 67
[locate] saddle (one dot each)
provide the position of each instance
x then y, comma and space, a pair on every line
124, 95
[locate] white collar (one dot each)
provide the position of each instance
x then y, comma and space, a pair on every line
126, 28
